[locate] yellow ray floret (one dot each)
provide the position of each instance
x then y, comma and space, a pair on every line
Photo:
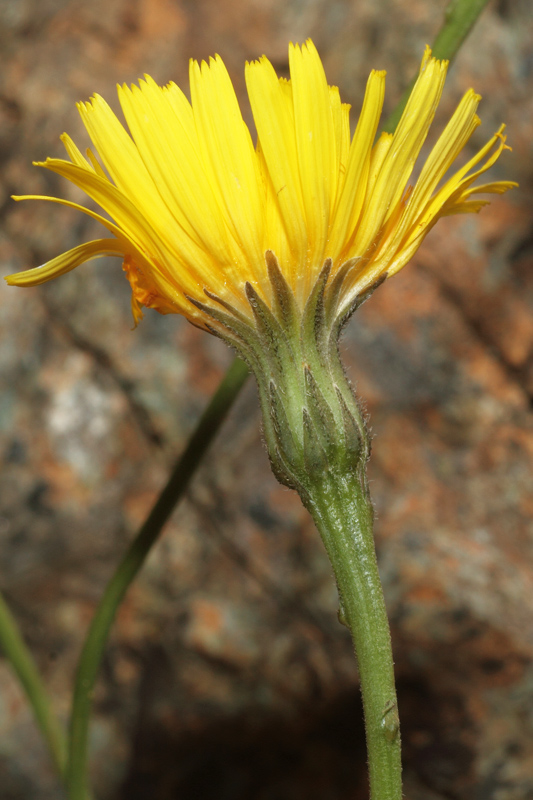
194, 206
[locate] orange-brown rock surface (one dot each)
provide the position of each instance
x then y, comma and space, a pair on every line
227, 675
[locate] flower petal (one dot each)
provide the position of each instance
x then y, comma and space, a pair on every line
405, 146
228, 152
163, 134
315, 142
351, 199
272, 107
66, 262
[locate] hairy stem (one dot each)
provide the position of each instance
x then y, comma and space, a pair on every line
343, 513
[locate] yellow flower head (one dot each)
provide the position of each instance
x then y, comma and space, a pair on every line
196, 207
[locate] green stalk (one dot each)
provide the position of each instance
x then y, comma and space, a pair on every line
24, 667
93, 649
343, 513
459, 19
318, 444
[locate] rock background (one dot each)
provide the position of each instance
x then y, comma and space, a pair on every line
227, 675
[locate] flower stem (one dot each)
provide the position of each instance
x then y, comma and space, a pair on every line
15, 650
91, 656
343, 514
318, 444
459, 19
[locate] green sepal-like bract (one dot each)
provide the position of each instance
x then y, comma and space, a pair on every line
318, 444
312, 421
